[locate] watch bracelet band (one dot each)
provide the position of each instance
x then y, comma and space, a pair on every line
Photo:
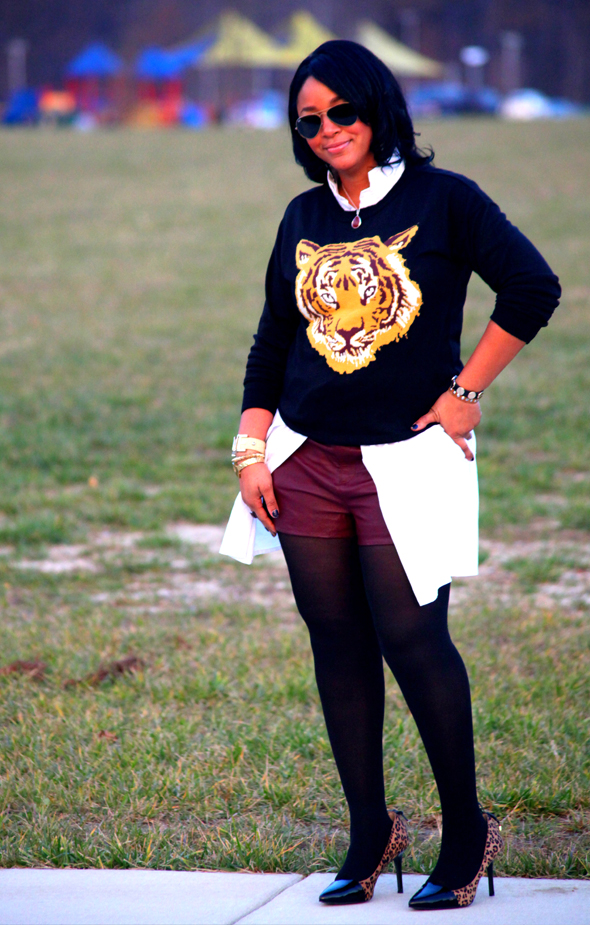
470, 396
243, 442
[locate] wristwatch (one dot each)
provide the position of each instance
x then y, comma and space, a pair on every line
243, 442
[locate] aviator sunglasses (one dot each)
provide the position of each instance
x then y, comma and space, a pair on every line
342, 114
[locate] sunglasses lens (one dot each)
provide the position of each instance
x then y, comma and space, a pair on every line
344, 114
308, 126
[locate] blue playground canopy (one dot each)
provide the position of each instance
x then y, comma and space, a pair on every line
163, 64
95, 61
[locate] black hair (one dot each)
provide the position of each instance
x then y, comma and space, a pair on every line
360, 78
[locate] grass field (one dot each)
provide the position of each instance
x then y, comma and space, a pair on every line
131, 269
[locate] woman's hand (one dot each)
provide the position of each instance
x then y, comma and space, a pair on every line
256, 488
457, 418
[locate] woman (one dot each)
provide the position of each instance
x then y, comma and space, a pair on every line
356, 441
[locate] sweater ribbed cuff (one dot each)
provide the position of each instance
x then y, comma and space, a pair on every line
520, 326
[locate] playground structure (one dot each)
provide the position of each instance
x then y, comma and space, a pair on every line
234, 71
92, 78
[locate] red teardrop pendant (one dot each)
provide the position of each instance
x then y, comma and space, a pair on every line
356, 222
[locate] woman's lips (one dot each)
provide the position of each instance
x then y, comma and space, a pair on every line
337, 148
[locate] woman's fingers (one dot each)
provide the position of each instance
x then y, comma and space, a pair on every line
258, 508
462, 442
456, 418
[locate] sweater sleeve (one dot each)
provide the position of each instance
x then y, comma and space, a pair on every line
527, 291
267, 360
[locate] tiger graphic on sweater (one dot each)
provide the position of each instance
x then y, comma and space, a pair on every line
356, 296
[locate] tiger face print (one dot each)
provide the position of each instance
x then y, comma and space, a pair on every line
357, 297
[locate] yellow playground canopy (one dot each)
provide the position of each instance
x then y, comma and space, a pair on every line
305, 34
403, 61
240, 43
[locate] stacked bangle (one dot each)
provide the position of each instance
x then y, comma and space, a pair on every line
246, 451
464, 394
243, 461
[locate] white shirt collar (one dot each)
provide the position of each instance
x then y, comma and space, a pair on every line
381, 181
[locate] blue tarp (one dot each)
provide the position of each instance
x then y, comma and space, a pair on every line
22, 108
450, 98
193, 116
163, 64
95, 61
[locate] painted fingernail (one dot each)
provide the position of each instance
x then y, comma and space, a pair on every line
252, 514
414, 427
275, 514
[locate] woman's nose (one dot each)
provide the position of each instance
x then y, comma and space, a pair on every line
328, 127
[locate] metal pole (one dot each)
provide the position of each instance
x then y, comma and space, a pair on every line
410, 28
16, 52
511, 61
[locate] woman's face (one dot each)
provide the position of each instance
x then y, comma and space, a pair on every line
347, 148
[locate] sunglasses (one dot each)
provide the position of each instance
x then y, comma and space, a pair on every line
342, 114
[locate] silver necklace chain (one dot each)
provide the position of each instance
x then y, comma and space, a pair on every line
357, 220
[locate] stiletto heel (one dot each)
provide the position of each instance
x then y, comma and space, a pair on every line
433, 896
398, 870
342, 892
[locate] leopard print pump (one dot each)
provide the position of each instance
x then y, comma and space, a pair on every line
432, 896
342, 892
466, 894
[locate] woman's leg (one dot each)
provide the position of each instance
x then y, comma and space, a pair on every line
328, 588
430, 672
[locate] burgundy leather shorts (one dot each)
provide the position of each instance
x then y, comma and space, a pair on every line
326, 491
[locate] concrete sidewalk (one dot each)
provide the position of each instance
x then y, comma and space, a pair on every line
154, 897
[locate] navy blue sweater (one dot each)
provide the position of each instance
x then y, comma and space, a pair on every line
360, 332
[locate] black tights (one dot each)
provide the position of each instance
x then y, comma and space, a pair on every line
359, 608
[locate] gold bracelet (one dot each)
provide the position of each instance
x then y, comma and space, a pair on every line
247, 461
237, 457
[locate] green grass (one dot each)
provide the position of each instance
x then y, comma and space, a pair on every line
221, 758
131, 273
